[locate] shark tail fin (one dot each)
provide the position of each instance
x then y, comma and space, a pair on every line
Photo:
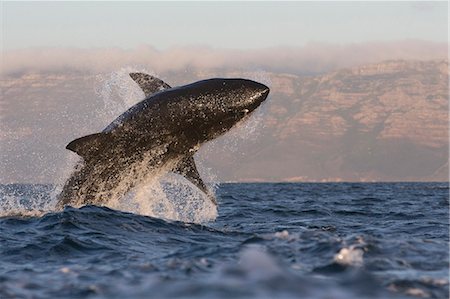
88, 145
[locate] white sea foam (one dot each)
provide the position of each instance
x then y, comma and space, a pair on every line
258, 264
351, 256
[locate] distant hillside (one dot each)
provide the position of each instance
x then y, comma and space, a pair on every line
385, 122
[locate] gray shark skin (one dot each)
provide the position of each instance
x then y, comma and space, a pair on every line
160, 133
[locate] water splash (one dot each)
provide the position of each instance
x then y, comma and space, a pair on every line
159, 194
15, 201
118, 92
168, 196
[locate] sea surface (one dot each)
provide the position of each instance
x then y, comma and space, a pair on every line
282, 240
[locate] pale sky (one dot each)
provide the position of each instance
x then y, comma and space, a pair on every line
237, 25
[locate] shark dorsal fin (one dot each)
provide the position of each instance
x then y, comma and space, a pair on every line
149, 84
187, 168
87, 145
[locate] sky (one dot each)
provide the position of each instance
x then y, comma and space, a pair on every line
226, 25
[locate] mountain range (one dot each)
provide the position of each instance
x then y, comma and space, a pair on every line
386, 121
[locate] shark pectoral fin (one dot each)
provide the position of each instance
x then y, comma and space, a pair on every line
187, 168
87, 145
149, 84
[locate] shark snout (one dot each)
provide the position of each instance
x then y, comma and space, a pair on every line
263, 91
259, 88
260, 93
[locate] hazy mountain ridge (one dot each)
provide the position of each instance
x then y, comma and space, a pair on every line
407, 99
384, 121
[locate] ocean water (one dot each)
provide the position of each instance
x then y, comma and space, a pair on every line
284, 240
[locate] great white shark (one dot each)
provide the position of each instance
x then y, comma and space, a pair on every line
163, 131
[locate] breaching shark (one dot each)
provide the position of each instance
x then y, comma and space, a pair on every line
162, 132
